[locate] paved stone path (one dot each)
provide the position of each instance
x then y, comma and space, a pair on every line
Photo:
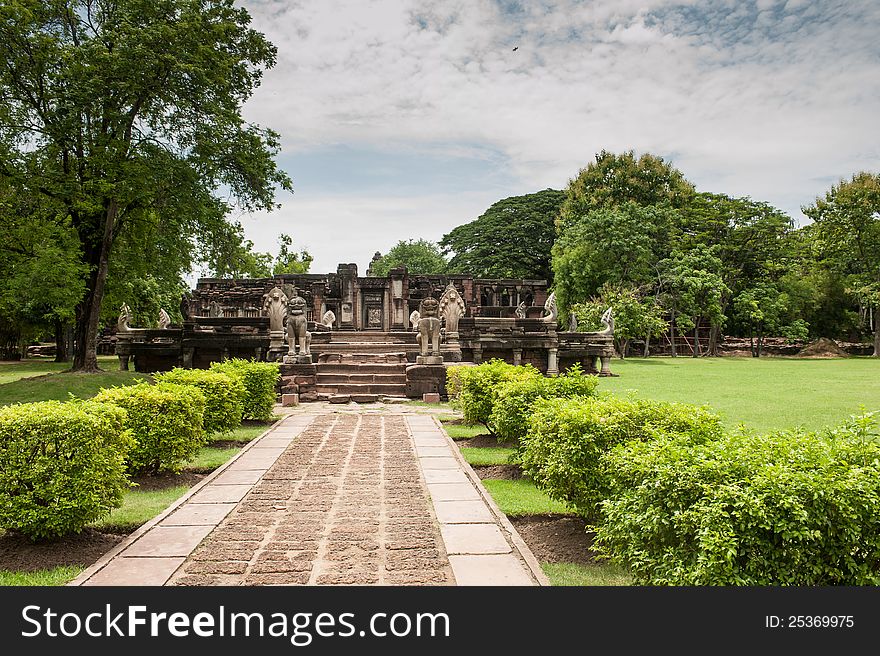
339, 498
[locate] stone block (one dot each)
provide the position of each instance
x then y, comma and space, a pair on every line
340, 398
431, 397
365, 398
289, 399
308, 397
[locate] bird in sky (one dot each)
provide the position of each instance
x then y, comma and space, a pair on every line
516, 48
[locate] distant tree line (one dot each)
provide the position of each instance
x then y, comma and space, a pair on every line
633, 233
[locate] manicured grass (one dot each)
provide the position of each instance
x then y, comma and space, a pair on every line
463, 431
574, 574
422, 404
246, 432
764, 394
55, 576
59, 386
138, 507
521, 497
11, 371
209, 458
487, 455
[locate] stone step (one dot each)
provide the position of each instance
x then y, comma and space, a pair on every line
363, 388
362, 368
356, 376
369, 336
365, 347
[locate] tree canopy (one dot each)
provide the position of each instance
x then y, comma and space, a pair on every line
418, 256
847, 234
117, 112
511, 239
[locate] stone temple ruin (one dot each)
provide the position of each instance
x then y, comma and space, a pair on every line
344, 337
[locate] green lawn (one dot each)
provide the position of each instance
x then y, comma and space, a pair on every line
575, 574
54, 576
463, 431
138, 507
11, 371
764, 394
58, 386
521, 497
487, 455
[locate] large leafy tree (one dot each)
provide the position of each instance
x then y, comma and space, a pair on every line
620, 245
751, 238
692, 289
418, 256
617, 179
511, 239
847, 232
119, 110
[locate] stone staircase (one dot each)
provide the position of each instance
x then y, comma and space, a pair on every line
361, 376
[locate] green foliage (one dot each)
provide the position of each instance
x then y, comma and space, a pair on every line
512, 408
62, 465
259, 380
568, 437
125, 118
511, 239
476, 388
224, 394
847, 232
289, 260
614, 180
789, 508
166, 421
418, 256
635, 315
619, 245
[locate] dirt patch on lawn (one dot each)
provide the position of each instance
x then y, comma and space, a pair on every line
504, 472
556, 538
481, 441
19, 554
152, 482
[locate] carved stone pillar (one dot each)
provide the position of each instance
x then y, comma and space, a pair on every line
606, 365
517, 356
348, 307
552, 362
399, 293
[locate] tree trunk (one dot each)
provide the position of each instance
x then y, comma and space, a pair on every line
61, 352
85, 356
672, 335
877, 331
752, 342
697, 350
714, 330
760, 341
647, 346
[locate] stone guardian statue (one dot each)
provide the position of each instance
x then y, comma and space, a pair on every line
429, 332
123, 322
164, 319
275, 307
414, 319
551, 310
297, 334
451, 307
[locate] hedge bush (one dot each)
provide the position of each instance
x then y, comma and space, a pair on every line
260, 380
567, 437
62, 465
165, 421
224, 396
513, 402
789, 508
477, 387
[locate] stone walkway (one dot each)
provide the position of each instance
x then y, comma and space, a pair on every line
353, 496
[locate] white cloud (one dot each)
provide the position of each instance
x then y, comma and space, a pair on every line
744, 101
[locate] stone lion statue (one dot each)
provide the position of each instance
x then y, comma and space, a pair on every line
429, 327
297, 324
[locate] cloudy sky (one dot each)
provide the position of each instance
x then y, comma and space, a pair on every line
405, 118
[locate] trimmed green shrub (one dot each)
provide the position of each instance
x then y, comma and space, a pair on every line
165, 421
224, 396
512, 408
260, 380
789, 508
567, 437
62, 465
477, 387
